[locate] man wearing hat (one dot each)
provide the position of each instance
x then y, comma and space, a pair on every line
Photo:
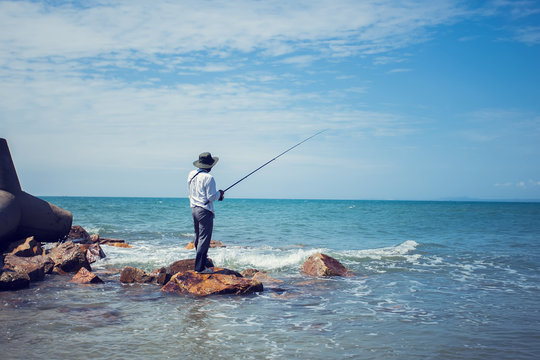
202, 194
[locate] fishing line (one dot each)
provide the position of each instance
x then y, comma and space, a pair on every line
268, 162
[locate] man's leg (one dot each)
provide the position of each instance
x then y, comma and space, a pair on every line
195, 228
206, 223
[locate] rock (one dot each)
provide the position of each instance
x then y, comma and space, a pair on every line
265, 278
191, 282
249, 272
130, 275
164, 274
213, 244
94, 238
36, 266
186, 265
114, 242
161, 276
10, 215
26, 247
324, 265
94, 252
79, 234
23, 215
68, 257
261, 276
84, 276
13, 280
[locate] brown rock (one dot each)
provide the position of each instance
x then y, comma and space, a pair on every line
26, 247
265, 278
324, 265
186, 265
79, 234
68, 257
114, 242
94, 238
84, 276
36, 266
130, 275
94, 252
191, 282
249, 272
13, 280
213, 244
161, 276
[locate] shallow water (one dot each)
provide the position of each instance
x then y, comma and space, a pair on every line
438, 280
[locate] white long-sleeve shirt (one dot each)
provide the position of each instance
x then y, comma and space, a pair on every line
202, 189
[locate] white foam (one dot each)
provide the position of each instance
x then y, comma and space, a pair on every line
266, 258
401, 250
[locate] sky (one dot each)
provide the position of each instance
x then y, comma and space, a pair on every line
421, 99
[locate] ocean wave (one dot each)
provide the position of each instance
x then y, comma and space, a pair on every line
149, 256
402, 250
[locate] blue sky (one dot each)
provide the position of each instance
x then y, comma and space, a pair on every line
422, 99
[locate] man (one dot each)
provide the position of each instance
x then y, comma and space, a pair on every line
202, 194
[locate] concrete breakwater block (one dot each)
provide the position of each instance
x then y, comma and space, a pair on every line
23, 215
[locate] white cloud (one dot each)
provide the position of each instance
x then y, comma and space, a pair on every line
522, 184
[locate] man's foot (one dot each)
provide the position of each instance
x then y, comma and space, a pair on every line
206, 271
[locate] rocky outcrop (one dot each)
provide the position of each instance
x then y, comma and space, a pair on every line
84, 276
324, 265
79, 234
218, 283
68, 258
213, 244
13, 280
23, 215
25, 247
35, 267
94, 252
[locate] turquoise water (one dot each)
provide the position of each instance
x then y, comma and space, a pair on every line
434, 280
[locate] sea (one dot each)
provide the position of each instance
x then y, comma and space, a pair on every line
433, 280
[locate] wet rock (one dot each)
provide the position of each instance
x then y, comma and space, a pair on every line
94, 252
26, 247
185, 265
213, 244
324, 265
94, 238
79, 234
249, 272
191, 282
35, 267
84, 276
68, 258
130, 275
114, 242
13, 280
265, 278
161, 276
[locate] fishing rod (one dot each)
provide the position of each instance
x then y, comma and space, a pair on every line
268, 162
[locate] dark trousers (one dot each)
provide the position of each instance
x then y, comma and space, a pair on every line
203, 222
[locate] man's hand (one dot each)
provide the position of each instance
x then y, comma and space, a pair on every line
221, 195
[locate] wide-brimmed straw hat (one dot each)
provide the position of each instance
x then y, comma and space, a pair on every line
206, 161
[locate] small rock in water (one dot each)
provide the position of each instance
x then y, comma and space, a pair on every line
324, 265
130, 275
86, 277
